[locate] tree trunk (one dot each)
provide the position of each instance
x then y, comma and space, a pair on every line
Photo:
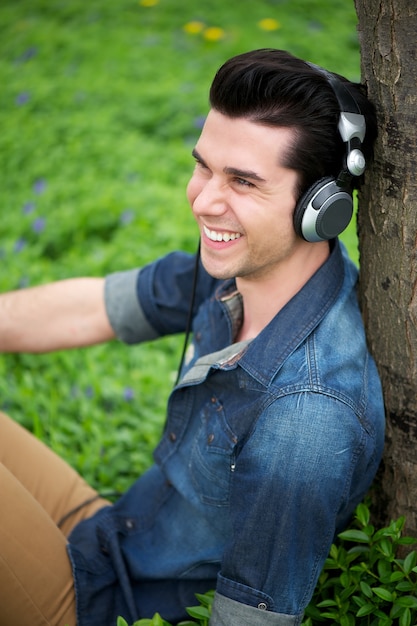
387, 228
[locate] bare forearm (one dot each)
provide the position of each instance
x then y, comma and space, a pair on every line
64, 314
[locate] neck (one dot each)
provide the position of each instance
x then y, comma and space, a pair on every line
264, 297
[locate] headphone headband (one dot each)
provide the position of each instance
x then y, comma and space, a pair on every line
326, 208
351, 124
346, 101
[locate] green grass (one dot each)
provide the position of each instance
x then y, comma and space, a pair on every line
100, 105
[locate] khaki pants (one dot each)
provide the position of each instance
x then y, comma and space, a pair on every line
39, 496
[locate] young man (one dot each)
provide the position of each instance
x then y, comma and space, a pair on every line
275, 428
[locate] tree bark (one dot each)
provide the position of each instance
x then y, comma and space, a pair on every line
387, 229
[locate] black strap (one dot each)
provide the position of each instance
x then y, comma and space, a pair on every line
190, 314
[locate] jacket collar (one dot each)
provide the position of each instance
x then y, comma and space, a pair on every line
296, 320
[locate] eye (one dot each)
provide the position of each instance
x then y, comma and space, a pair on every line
200, 166
243, 182
198, 160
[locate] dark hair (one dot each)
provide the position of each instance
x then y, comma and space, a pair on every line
275, 88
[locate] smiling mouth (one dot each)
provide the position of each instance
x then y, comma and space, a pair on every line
215, 235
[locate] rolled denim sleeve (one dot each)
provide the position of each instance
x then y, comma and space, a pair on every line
227, 612
155, 300
123, 308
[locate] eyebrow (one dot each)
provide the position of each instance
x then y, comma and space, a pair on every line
232, 171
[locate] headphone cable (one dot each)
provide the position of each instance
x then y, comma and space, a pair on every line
190, 314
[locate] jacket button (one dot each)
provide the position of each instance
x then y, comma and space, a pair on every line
130, 524
210, 438
263, 606
172, 436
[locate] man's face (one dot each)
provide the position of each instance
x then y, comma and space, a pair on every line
243, 198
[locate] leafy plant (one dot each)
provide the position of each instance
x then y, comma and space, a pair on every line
364, 581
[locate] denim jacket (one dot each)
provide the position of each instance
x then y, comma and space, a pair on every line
269, 446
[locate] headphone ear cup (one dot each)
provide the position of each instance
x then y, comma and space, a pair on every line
324, 211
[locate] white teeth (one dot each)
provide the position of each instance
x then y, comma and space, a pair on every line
219, 236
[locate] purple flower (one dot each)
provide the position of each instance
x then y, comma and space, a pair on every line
22, 98
28, 207
28, 54
38, 225
24, 282
89, 391
19, 245
127, 216
199, 121
39, 186
128, 394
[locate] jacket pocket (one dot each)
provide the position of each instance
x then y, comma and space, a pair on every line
213, 456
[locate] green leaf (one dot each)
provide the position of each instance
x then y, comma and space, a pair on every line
346, 594
347, 620
396, 611
205, 599
405, 618
366, 609
410, 561
200, 612
312, 612
384, 569
331, 614
366, 589
325, 603
385, 546
383, 532
383, 617
359, 601
383, 593
121, 622
384, 620
407, 601
354, 535
407, 541
405, 585
363, 514
334, 552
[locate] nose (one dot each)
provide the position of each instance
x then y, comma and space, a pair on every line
207, 196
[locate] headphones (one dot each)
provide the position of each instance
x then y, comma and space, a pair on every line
326, 208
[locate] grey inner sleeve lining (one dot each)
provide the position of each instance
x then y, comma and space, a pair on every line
227, 612
123, 308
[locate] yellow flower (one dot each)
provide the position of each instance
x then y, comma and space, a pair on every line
214, 33
269, 23
193, 28
148, 3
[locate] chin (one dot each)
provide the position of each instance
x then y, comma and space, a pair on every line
214, 270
